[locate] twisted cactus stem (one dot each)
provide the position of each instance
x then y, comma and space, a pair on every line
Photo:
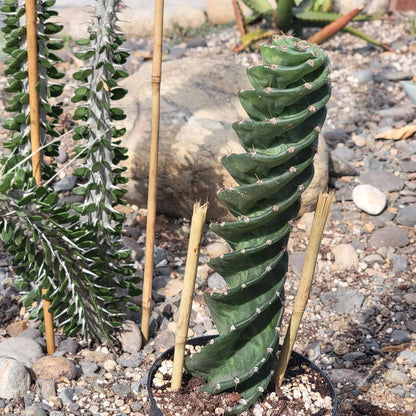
286, 110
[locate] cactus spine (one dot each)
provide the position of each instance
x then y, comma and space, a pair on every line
286, 110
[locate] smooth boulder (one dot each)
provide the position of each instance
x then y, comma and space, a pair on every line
199, 104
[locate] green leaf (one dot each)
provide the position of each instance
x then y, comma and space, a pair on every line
19, 178
7, 232
117, 113
84, 55
118, 93
55, 90
25, 200
45, 63
80, 113
83, 42
55, 45
82, 171
5, 182
82, 75
52, 28
51, 199
120, 73
19, 75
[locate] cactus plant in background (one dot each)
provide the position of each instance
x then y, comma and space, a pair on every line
286, 110
292, 15
100, 150
78, 257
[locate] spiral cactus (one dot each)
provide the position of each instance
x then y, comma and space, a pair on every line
286, 110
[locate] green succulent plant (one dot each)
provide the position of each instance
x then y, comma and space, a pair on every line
292, 15
15, 48
76, 252
286, 110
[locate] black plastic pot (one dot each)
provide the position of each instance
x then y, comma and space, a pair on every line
155, 411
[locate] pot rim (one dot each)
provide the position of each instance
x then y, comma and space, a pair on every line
155, 411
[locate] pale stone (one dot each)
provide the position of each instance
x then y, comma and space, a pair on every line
22, 349
130, 337
198, 106
172, 288
397, 377
110, 365
54, 368
17, 328
372, 7
134, 21
410, 298
14, 379
220, 12
345, 257
369, 199
216, 249
304, 223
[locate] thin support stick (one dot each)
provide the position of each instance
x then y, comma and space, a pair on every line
48, 319
154, 148
32, 58
305, 284
185, 307
32, 62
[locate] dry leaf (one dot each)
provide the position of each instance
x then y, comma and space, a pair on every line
398, 134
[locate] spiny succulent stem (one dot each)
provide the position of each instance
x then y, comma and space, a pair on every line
305, 284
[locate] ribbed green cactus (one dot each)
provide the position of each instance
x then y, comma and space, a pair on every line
286, 110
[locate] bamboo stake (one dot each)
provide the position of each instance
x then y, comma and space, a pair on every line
198, 220
48, 319
32, 59
334, 27
305, 284
154, 148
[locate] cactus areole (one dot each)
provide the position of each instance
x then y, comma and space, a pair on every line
286, 110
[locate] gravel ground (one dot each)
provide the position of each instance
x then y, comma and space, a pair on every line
360, 323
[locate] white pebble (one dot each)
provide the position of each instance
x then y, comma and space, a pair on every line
369, 199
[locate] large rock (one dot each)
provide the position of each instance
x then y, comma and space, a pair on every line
54, 368
130, 337
135, 20
198, 106
220, 12
14, 379
22, 349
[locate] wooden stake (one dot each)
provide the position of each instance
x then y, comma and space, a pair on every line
185, 307
32, 60
48, 319
334, 27
154, 148
305, 284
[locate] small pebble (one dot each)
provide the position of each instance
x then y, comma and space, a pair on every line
369, 199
